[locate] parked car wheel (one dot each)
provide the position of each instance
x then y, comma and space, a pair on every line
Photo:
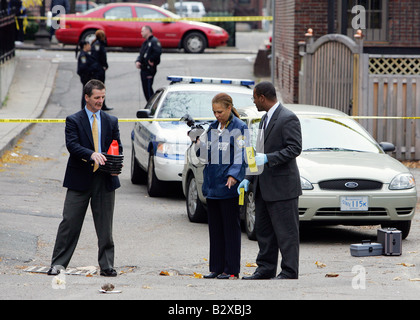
88, 35
194, 42
249, 207
403, 226
155, 187
138, 175
195, 208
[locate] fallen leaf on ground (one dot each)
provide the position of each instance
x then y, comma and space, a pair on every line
251, 265
331, 275
320, 264
408, 265
415, 279
198, 275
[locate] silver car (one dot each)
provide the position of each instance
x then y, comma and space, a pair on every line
346, 176
159, 145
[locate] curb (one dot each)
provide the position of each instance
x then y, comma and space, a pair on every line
12, 137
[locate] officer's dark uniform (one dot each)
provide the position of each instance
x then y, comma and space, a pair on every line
86, 68
98, 51
150, 50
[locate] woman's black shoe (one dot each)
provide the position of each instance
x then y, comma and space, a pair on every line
225, 276
211, 275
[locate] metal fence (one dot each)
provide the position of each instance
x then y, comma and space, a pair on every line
7, 36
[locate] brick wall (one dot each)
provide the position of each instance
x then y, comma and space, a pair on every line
294, 17
404, 23
284, 37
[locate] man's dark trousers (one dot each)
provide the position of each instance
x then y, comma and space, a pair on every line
277, 227
75, 206
147, 84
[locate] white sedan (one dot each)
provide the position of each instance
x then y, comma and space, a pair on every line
346, 176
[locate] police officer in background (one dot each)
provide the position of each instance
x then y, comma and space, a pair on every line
98, 51
148, 60
87, 66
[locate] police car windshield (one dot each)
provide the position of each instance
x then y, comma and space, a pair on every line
197, 103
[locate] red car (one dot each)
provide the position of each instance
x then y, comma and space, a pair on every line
194, 37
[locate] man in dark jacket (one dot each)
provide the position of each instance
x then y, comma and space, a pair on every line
89, 132
148, 60
277, 188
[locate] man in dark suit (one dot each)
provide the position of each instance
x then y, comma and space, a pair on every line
277, 188
88, 133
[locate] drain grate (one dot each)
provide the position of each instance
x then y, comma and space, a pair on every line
82, 271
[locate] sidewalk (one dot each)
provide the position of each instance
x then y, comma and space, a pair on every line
27, 97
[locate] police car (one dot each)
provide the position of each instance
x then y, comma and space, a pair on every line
160, 139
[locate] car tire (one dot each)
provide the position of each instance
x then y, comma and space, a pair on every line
195, 209
155, 187
403, 226
88, 35
138, 175
194, 42
249, 207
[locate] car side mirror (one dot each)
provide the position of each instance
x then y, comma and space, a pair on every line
144, 113
387, 146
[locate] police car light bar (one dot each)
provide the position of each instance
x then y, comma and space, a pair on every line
244, 82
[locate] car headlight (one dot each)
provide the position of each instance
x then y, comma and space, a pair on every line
306, 185
216, 31
165, 149
402, 181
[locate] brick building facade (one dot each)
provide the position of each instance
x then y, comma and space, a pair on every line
392, 27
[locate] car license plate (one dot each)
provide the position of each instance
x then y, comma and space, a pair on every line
354, 203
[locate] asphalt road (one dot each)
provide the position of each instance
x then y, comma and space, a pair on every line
153, 234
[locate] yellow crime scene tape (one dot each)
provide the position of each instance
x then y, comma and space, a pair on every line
203, 19
29, 120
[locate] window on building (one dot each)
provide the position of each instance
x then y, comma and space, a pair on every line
369, 15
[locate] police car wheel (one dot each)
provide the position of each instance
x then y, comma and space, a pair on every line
195, 208
155, 187
138, 175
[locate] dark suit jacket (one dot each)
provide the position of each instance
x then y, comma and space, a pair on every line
79, 142
280, 179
